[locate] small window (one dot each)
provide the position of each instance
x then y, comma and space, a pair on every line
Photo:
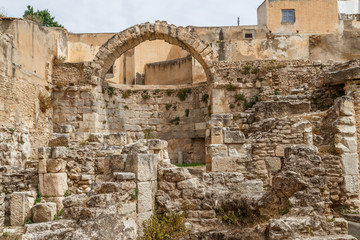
287, 15
111, 70
248, 36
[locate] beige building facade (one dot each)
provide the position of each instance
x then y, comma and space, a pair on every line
299, 16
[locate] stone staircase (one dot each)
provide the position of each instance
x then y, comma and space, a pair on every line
50, 230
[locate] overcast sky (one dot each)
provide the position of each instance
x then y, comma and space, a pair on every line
91, 16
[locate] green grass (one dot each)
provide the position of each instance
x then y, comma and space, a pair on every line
190, 164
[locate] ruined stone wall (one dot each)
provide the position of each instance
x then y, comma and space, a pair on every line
175, 72
27, 54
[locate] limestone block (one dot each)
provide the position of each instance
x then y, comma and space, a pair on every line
273, 163
55, 165
123, 176
59, 152
44, 152
114, 163
20, 207
143, 165
191, 183
344, 106
234, 136
145, 197
252, 186
216, 135
280, 150
115, 139
142, 217
217, 150
351, 183
67, 128
128, 208
42, 166
59, 140
350, 163
43, 212
346, 130
345, 144
155, 144
96, 137
55, 184
174, 174
58, 201
242, 151
223, 164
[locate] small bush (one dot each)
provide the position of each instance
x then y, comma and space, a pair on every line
45, 102
169, 92
58, 61
34, 18
232, 106
57, 217
67, 193
182, 93
277, 93
246, 70
145, 95
126, 94
164, 227
175, 121
11, 130
250, 104
205, 98
38, 197
147, 133
126, 107
240, 97
29, 220
255, 71
136, 194
230, 87
168, 106
187, 111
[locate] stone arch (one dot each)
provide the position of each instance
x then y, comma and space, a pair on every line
133, 36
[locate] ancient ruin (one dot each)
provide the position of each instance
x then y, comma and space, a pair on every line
247, 132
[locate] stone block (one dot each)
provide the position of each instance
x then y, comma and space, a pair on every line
217, 150
345, 144
59, 140
114, 163
123, 176
191, 183
59, 152
155, 144
240, 150
128, 209
216, 135
55, 184
42, 166
142, 217
58, 201
273, 163
345, 130
351, 183
344, 106
234, 136
67, 128
252, 186
20, 207
145, 197
115, 139
44, 152
55, 165
143, 165
43, 212
350, 163
280, 150
223, 164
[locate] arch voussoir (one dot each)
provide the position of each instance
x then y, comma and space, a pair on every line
133, 36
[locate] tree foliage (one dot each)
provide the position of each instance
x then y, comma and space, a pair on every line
42, 17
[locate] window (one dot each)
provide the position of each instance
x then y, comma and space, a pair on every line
288, 15
248, 36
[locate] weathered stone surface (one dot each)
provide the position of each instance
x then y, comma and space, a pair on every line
192, 183
233, 136
55, 184
217, 150
59, 152
350, 163
59, 140
115, 139
145, 197
123, 176
58, 201
114, 163
223, 164
55, 166
20, 207
143, 165
43, 212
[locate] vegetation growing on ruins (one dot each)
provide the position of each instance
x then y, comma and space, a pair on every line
42, 17
205, 98
175, 121
182, 93
165, 226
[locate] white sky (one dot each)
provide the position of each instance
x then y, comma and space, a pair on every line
95, 16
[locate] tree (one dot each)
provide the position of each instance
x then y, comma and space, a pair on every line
42, 17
